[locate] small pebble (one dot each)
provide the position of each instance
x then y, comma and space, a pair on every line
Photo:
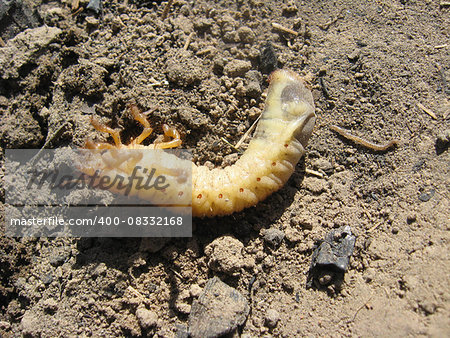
354, 55
47, 278
253, 76
292, 235
395, 230
58, 259
4, 325
273, 237
195, 290
442, 141
94, 5
426, 196
272, 318
50, 305
290, 9
323, 164
184, 71
268, 262
30, 325
237, 68
411, 218
268, 59
326, 278
91, 21
219, 310
246, 34
301, 221
146, 318
99, 270
428, 306
203, 24
253, 89
225, 254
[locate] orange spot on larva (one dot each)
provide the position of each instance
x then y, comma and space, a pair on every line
180, 193
241, 190
199, 196
220, 196
274, 164
258, 179
286, 145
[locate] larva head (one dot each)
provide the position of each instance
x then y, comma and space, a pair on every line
290, 105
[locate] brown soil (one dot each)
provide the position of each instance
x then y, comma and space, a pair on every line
371, 65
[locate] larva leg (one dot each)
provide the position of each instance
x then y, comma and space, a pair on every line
169, 132
101, 127
89, 144
138, 116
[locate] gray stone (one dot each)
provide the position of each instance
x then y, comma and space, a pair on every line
219, 310
273, 237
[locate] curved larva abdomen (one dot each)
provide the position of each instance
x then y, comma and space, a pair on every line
270, 159
251, 179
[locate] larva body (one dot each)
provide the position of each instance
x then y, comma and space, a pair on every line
270, 159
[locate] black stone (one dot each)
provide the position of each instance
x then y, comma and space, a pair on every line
331, 258
268, 59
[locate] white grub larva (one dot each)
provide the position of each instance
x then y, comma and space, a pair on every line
270, 159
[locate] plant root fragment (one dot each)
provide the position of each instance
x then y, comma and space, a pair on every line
363, 142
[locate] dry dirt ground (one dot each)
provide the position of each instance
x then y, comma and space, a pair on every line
372, 65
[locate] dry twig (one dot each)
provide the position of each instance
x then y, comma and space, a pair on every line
313, 173
443, 79
165, 13
253, 126
281, 28
232, 146
359, 309
426, 110
327, 25
188, 41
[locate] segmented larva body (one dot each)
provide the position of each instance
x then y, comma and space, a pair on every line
270, 159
